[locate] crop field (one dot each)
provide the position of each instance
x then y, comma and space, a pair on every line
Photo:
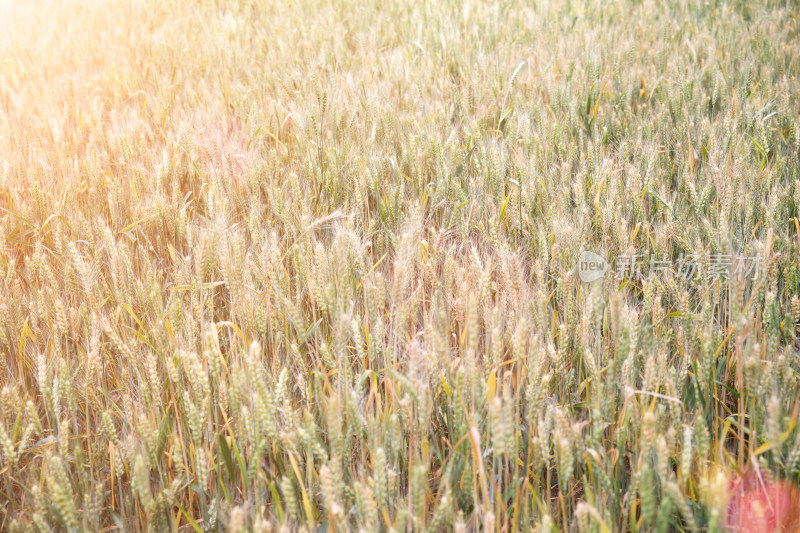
399, 266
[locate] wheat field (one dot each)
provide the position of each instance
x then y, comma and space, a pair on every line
304, 266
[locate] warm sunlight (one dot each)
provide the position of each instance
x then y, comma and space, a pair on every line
401, 266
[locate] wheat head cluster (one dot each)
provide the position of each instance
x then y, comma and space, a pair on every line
305, 266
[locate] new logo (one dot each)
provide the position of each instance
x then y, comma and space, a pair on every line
591, 266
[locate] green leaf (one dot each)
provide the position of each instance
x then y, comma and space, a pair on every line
225, 451
191, 521
506, 113
503, 210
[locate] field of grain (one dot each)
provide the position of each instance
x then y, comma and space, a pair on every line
322, 266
